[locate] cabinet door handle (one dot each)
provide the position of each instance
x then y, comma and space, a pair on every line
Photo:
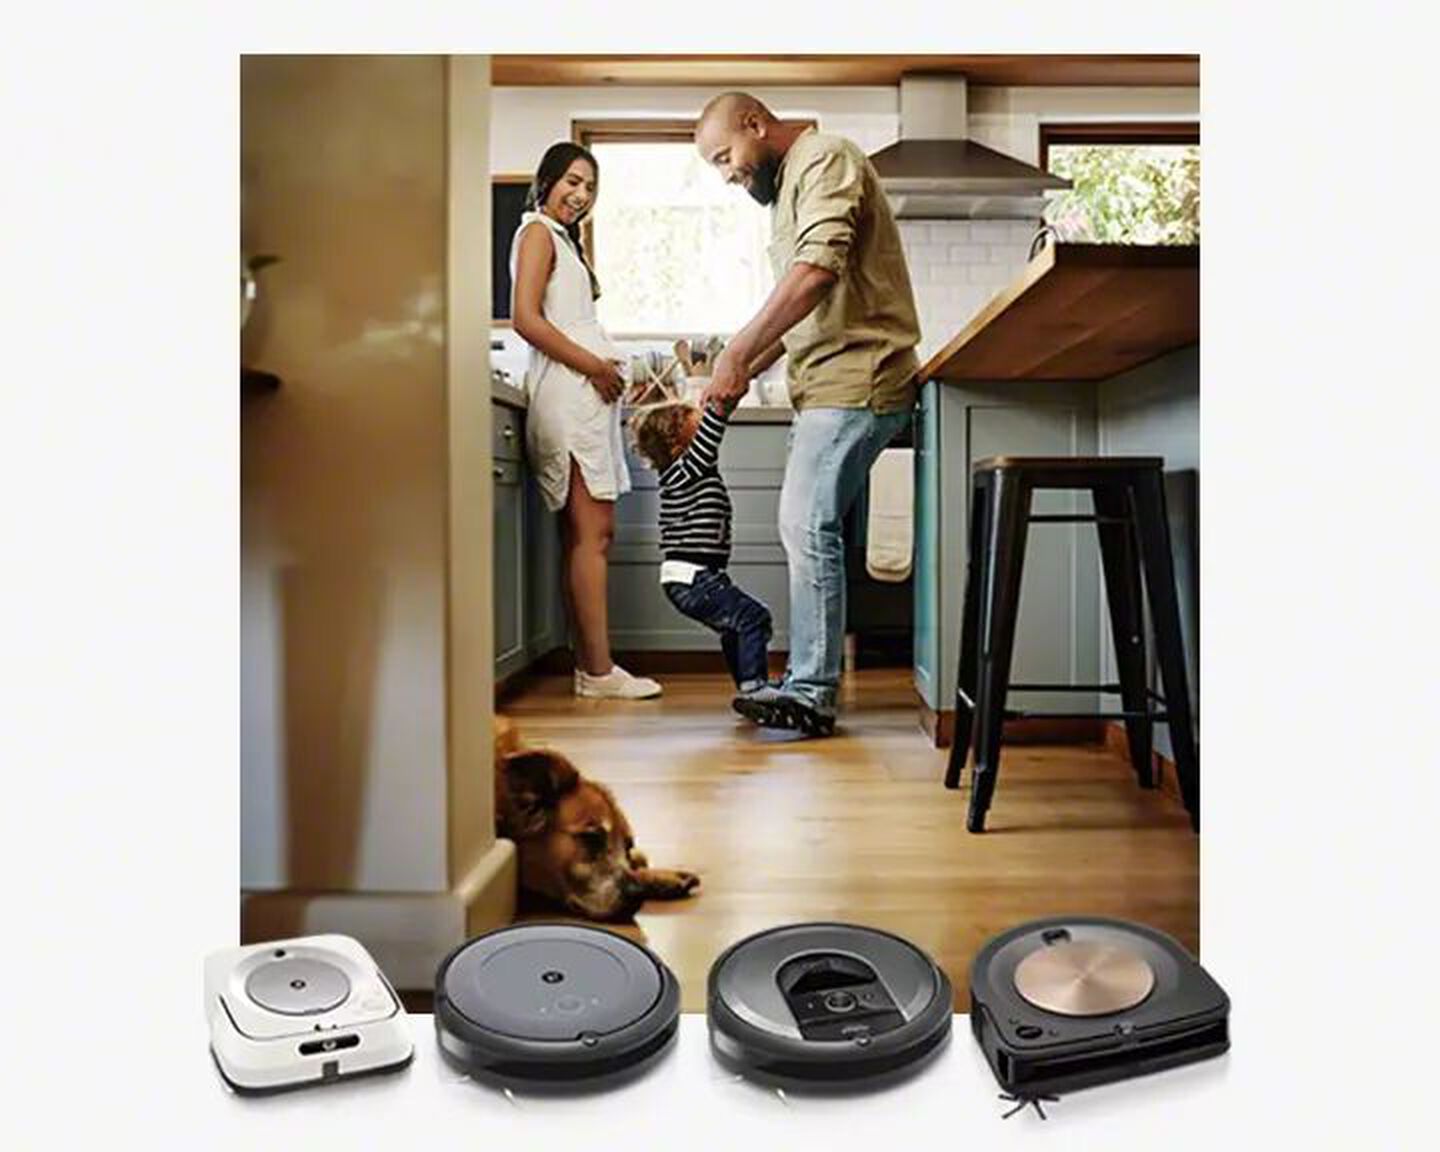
499, 471
508, 432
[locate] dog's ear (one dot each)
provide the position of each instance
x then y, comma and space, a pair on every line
507, 736
532, 784
617, 815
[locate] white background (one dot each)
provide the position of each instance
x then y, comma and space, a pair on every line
119, 649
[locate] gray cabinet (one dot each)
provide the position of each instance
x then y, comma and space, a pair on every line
1058, 635
528, 603
752, 460
542, 599
509, 567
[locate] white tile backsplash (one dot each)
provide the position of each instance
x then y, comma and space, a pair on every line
514, 358
956, 266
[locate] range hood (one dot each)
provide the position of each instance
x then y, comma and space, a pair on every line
935, 172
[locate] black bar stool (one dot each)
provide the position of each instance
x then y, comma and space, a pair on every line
1129, 497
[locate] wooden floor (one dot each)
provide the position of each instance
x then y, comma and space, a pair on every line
858, 827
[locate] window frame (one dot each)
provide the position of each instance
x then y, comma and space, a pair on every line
1116, 132
643, 130
509, 179
588, 132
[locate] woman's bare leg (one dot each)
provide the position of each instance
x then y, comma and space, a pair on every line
590, 525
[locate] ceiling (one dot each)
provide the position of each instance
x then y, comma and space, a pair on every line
811, 71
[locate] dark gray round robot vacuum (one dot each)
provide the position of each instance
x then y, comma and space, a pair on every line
557, 1006
826, 1006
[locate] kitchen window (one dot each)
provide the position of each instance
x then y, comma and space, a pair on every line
677, 251
1134, 183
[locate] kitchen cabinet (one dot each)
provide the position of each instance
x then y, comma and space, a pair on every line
1057, 638
528, 606
509, 567
752, 459
542, 594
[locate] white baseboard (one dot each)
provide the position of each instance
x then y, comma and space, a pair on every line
408, 933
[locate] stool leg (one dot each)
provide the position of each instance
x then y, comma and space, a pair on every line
1121, 562
965, 685
1154, 529
1009, 510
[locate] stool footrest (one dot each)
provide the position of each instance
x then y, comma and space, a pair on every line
1102, 689
1025, 714
1074, 518
1109, 688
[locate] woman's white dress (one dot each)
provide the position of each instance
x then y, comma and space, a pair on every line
566, 416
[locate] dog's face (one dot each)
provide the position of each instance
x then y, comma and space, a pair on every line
573, 841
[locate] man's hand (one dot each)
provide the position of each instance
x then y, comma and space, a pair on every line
729, 381
791, 300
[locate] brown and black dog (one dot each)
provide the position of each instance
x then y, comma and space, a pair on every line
574, 843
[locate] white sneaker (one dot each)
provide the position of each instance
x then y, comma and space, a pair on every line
617, 684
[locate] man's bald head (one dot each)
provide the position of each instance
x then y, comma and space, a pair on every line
742, 139
730, 110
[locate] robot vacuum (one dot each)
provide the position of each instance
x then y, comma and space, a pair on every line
554, 1006
1072, 1002
817, 1006
311, 1010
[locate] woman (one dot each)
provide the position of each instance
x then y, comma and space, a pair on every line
573, 432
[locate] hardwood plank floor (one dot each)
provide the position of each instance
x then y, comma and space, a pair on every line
858, 827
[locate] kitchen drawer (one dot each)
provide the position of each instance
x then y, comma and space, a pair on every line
508, 432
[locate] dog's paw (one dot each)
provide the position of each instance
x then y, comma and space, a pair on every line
669, 883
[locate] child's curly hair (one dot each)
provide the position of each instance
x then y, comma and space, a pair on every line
656, 432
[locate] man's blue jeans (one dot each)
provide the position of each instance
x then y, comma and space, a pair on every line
831, 451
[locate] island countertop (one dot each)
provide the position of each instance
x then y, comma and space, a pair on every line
1079, 312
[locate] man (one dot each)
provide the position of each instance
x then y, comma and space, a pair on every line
843, 312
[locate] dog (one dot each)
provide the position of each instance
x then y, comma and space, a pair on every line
575, 847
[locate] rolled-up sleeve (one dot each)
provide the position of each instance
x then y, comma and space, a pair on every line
827, 205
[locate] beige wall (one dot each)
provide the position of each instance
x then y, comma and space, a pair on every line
344, 476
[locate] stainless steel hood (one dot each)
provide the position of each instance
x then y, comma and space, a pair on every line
935, 172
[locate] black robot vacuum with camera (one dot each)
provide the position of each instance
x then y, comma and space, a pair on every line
557, 1005
826, 1006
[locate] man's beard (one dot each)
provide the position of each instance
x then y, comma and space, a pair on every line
764, 186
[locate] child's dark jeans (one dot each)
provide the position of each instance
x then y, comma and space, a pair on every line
742, 621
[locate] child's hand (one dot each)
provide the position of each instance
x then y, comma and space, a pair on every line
724, 406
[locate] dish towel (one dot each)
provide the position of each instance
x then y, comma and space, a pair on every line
890, 534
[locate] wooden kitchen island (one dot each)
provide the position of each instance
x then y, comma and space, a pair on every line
1092, 350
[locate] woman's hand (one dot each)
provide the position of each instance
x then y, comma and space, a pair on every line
607, 381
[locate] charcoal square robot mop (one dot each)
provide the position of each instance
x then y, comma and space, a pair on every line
1073, 1002
311, 1010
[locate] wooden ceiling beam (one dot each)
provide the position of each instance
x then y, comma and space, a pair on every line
821, 71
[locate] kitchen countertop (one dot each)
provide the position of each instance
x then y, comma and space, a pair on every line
1080, 312
507, 394
513, 397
